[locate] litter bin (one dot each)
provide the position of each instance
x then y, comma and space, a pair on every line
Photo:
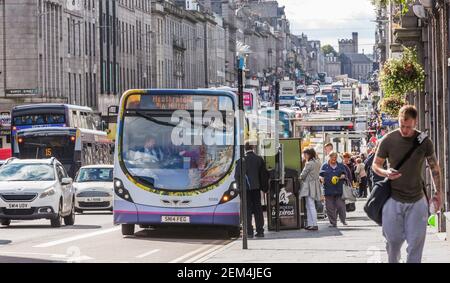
291, 212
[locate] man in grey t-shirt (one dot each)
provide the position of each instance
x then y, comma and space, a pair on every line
405, 214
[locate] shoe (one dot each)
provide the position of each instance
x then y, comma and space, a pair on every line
344, 223
312, 228
333, 226
259, 235
250, 236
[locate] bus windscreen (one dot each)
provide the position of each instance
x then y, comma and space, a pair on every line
60, 147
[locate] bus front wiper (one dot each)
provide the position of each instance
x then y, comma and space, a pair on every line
150, 118
159, 122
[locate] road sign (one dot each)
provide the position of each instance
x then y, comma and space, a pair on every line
346, 101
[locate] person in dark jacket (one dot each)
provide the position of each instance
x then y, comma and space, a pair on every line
333, 176
256, 179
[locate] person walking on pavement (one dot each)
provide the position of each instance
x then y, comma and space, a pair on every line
310, 186
361, 176
406, 211
333, 177
257, 178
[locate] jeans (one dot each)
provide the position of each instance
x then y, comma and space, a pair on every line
311, 211
405, 221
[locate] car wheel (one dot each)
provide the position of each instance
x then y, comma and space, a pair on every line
234, 232
128, 229
5, 222
57, 221
69, 220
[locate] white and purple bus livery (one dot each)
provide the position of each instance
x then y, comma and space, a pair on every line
176, 152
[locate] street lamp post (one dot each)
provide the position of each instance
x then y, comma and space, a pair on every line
241, 66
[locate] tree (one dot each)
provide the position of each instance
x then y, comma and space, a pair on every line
327, 49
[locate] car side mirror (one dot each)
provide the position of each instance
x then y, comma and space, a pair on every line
66, 181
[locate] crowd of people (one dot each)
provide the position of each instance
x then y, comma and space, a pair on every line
404, 214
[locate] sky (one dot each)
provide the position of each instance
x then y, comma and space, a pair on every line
330, 20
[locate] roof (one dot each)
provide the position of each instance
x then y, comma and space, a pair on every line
52, 105
357, 58
98, 166
32, 161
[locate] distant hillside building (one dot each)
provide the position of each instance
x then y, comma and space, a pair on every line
349, 45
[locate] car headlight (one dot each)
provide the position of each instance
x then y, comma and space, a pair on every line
47, 193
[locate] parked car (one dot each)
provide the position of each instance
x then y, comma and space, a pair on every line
311, 90
36, 189
94, 188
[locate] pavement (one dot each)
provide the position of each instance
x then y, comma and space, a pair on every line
359, 242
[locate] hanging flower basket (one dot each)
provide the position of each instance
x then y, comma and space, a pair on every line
404, 4
400, 76
392, 105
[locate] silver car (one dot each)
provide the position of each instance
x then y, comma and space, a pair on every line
94, 188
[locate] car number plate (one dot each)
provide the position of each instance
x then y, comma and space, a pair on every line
20, 205
93, 199
176, 219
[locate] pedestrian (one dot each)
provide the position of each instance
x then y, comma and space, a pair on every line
310, 186
257, 178
361, 177
348, 167
333, 177
406, 211
329, 148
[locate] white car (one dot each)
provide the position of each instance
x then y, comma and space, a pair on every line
36, 189
94, 188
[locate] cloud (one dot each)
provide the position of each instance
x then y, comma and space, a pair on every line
330, 20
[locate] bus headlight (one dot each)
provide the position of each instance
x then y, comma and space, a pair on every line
47, 193
230, 194
120, 191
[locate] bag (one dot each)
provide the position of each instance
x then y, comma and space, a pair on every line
350, 207
381, 191
348, 193
380, 194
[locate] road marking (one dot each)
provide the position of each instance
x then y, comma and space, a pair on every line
76, 238
212, 254
205, 253
194, 252
147, 254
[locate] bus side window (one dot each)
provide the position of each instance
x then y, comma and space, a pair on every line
90, 122
74, 120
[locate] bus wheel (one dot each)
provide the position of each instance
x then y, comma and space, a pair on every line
127, 229
5, 222
234, 232
69, 220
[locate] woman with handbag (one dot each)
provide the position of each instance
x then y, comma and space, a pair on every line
310, 186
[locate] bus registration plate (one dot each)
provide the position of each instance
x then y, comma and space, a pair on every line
175, 219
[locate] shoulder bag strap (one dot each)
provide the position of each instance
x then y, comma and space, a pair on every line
418, 140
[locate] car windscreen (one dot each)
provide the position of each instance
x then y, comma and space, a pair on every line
27, 172
95, 175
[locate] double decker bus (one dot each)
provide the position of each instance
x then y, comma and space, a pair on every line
175, 159
66, 132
